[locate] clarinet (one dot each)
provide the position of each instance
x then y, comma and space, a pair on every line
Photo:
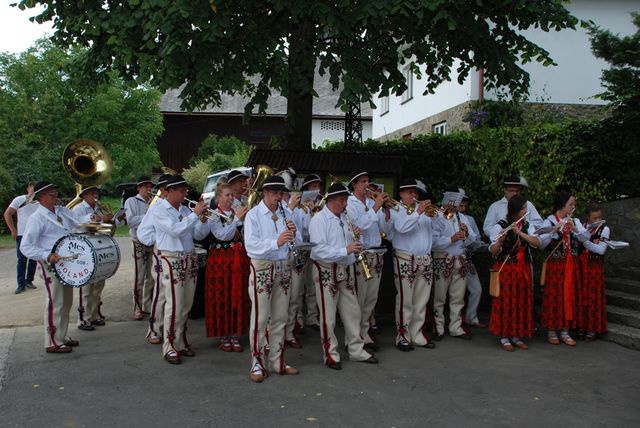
298, 259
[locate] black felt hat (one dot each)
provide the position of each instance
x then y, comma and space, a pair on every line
407, 183
274, 183
234, 175
176, 181
42, 185
143, 180
337, 189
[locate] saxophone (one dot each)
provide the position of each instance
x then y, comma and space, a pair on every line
366, 270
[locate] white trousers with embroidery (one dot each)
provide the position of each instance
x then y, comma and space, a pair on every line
368, 292
454, 286
58, 302
179, 275
89, 301
143, 280
156, 314
413, 277
269, 283
335, 290
296, 292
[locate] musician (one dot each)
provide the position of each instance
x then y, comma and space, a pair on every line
592, 306
45, 227
474, 287
562, 273
23, 207
334, 278
175, 227
90, 296
238, 182
136, 207
267, 237
307, 309
512, 311
412, 241
450, 271
512, 185
367, 216
146, 234
226, 299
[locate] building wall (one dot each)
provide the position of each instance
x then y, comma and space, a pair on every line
623, 218
574, 80
323, 130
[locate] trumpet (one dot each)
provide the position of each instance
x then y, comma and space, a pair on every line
360, 258
209, 214
447, 212
395, 205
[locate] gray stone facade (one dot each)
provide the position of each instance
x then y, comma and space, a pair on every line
623, 218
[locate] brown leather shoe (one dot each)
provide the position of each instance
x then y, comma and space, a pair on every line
187, 352
567, 340
508, 347
172, 358
288, 370
71, 343
63, 349
553, 340
138, 315
522, 345
257, 376
154, 340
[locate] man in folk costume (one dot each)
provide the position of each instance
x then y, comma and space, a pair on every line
412, 241
512, 185
90, 296
334, 278
146, 234
45, 227
175, 227
238, 182
267, 237
136, 207
368, 216
450, 271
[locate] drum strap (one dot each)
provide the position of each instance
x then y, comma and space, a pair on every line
59, 224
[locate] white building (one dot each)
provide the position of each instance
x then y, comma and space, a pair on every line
570, 85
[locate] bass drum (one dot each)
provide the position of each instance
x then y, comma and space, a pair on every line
86, 258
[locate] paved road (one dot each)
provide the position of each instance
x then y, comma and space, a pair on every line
114, 378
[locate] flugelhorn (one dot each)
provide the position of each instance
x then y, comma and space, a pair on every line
209, 213
360, 258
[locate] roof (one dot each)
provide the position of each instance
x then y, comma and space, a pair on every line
323, 105
328, 162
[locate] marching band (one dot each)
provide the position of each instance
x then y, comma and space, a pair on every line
287, 263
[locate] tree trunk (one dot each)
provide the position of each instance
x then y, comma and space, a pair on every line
302, 63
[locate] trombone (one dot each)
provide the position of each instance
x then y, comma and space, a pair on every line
209, 214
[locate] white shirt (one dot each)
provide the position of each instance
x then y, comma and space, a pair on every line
303, 218
44, 228
83, 211
175, 229
23, 211
331, 235
601, 247
413, 233
261, 234
146, 231
135, 207
442, 242
364, 217
498, 210
221, 231
580, 232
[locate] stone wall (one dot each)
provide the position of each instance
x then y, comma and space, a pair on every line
623, 219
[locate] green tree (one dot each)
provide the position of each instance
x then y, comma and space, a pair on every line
622, 80
42, 110
252, 47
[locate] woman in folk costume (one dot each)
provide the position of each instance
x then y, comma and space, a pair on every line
592, 305
562, 272
512, 310
226, 298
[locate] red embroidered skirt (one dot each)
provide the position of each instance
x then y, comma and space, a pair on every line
227, 304
512, 311
557, 313
592, 304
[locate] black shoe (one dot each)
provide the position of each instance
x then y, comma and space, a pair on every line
428, 345
86, 327
334, 366
370, 360
437, 337
404, 346
463, 336
30, 286
99, 321
20, 290
374, 329
315, 327
172, 359
372, 347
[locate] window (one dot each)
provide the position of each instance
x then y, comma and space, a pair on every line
406, 137
407, 95
440, 128
384, 105
332, 125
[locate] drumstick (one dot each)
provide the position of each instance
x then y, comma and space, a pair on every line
71, 257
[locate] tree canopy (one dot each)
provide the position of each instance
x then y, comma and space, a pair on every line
42, 110
214, 46
622, 80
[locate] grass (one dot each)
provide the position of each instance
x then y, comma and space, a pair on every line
7, 242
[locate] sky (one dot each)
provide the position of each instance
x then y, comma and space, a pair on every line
16, 32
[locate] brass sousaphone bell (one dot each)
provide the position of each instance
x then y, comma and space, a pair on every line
88, 164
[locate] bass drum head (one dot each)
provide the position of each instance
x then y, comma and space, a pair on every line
90, 258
